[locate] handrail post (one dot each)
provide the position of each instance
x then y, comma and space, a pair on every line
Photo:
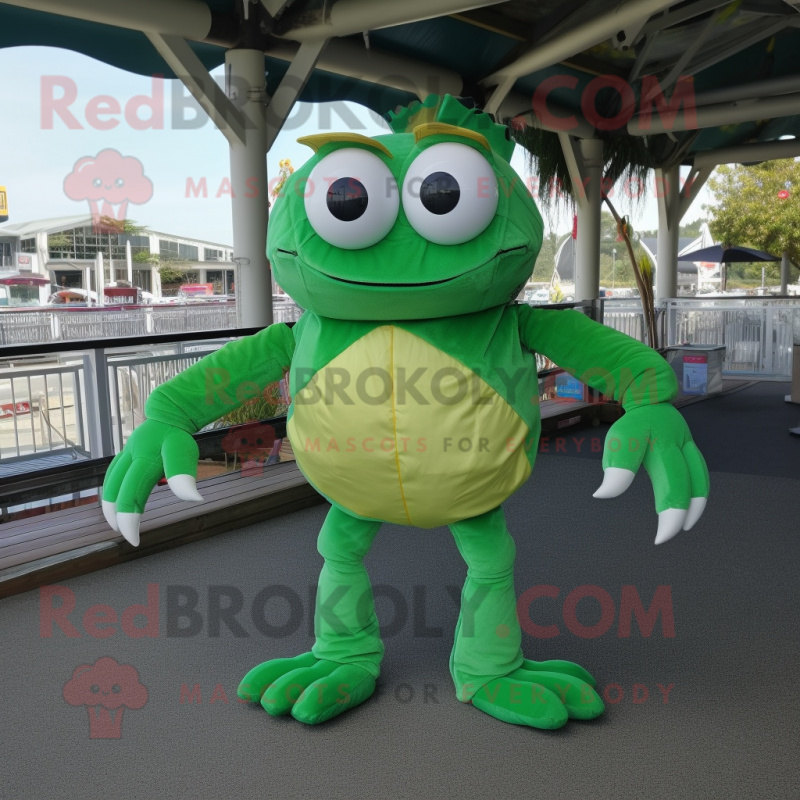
98, 403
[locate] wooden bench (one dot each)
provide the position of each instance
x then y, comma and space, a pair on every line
51, 547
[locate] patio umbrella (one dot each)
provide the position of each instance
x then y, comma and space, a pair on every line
728, 255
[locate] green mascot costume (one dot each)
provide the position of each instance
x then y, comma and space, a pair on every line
415, 401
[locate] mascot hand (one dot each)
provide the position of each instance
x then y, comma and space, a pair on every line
153, 450
659, 437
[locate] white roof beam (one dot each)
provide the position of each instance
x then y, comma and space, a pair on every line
573, 123
758, 32
291, 87
689, 53
375, 66
276, 7
212, 99
682, 15
749, 153
355, 16
188, 18
749, 91
694, 182
643, 57
578, 38
722, 114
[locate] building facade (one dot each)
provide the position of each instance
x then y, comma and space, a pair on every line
65, 250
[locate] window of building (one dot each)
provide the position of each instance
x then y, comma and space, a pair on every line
6, 256
215, 278
188, 252
83, 244
168, 250
141, 278
28, 245
214, 255
68, 279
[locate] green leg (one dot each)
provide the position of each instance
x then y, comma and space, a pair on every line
486, 663
487, 640
345, 623
340, 671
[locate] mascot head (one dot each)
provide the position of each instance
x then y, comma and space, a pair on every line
429, 221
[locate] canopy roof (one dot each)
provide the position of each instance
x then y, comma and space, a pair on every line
723, 46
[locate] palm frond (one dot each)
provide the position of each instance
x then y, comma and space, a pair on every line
627, 158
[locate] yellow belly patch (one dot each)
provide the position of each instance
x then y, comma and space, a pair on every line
395, 429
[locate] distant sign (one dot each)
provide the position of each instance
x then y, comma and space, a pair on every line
695, 374
3, 204
12, 409
568, 387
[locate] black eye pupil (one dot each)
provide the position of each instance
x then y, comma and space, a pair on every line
347, 199
440, 193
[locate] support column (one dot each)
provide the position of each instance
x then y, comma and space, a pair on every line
100, 279
588, 198
129, 262
785, 273
669, 218
246, 87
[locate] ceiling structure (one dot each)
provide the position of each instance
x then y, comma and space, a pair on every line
738, 59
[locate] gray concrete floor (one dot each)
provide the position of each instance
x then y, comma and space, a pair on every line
727, 728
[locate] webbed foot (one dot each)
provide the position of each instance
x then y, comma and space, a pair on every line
310, 689
541, 694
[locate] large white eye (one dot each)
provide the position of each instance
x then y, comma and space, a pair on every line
351, 199
450, 193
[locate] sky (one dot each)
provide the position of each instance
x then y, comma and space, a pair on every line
38, 149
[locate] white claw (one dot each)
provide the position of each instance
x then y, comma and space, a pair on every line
697, 506
110, 513
615, 482
670, 521
184, 487
129, 526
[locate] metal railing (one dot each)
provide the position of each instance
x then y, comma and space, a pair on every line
625, 316
26, 327
758, 333
85, 398
133, 376
50, 324
84, 401
42, 411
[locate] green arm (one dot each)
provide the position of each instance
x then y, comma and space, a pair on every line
605, 359
652, 432
222, 381
217, 384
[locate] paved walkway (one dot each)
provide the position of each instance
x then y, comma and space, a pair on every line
710, 712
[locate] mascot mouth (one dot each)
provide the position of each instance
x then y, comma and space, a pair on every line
293, 254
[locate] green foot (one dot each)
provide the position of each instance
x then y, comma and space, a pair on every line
309, 689
543, 694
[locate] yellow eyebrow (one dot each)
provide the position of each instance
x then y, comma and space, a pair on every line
433, 128
318, 140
